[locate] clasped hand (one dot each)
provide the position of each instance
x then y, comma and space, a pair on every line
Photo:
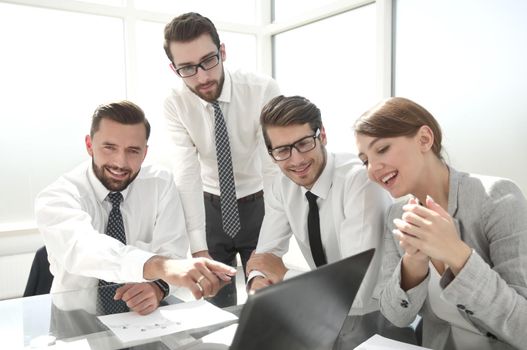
429, 232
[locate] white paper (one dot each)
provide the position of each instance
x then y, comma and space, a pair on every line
222, 336
378, 342
130, 326
219, 340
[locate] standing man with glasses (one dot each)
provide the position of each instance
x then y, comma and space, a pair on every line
326, 201
221, 165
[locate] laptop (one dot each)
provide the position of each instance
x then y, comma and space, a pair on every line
306, 312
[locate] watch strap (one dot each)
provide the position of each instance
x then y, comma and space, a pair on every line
165, 288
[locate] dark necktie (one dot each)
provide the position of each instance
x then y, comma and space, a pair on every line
229, 205
313, 228
115, 228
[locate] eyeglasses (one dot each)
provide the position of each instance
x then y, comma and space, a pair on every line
303, 145
192, 69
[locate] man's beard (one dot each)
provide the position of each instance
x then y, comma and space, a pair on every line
213, 95
110, 183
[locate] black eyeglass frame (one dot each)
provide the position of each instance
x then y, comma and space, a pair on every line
290, 147
196, 66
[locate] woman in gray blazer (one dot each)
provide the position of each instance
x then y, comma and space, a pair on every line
456, 251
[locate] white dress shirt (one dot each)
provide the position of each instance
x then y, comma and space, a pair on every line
191, 128
72, 214
351, 209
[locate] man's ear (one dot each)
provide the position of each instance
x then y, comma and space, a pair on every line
89, 146
323, 137
425, 138
223, 53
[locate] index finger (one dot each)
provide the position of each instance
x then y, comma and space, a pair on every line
223, 276
219, 268
211, 283
413, 200
134, 290
419, 210
121, 290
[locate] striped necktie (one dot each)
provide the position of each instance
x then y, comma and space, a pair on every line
229, 206
115, 228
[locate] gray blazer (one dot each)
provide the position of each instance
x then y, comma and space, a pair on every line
491, 290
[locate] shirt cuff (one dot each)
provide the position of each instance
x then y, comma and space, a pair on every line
198, 241
468, 271
253, 274
133, 265
413, 295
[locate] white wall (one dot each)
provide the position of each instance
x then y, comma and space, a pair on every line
17, 249
465, 62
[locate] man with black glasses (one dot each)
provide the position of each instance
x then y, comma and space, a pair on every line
221, 166
326, 201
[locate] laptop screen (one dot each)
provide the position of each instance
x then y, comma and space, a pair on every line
304, 312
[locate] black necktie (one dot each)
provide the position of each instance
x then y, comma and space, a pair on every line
115, 228
229, 206
313, 228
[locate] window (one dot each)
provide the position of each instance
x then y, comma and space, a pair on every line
53, 77
284, 10
332, 62
234, 11
468, 71
104, 2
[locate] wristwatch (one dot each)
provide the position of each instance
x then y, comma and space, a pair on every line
165, 288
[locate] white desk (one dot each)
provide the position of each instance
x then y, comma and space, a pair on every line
24, 322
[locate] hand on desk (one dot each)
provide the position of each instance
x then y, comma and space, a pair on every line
270, 265
258, 282
142, 298
204, 277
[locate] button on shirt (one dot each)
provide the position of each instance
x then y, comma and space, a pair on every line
191, 129
352, 211
72, 214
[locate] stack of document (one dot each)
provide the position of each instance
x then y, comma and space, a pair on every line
199, 314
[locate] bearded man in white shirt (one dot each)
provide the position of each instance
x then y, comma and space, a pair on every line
79, 220
351, 209
208, 96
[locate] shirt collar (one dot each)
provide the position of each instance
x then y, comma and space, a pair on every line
325, 180
101, 192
